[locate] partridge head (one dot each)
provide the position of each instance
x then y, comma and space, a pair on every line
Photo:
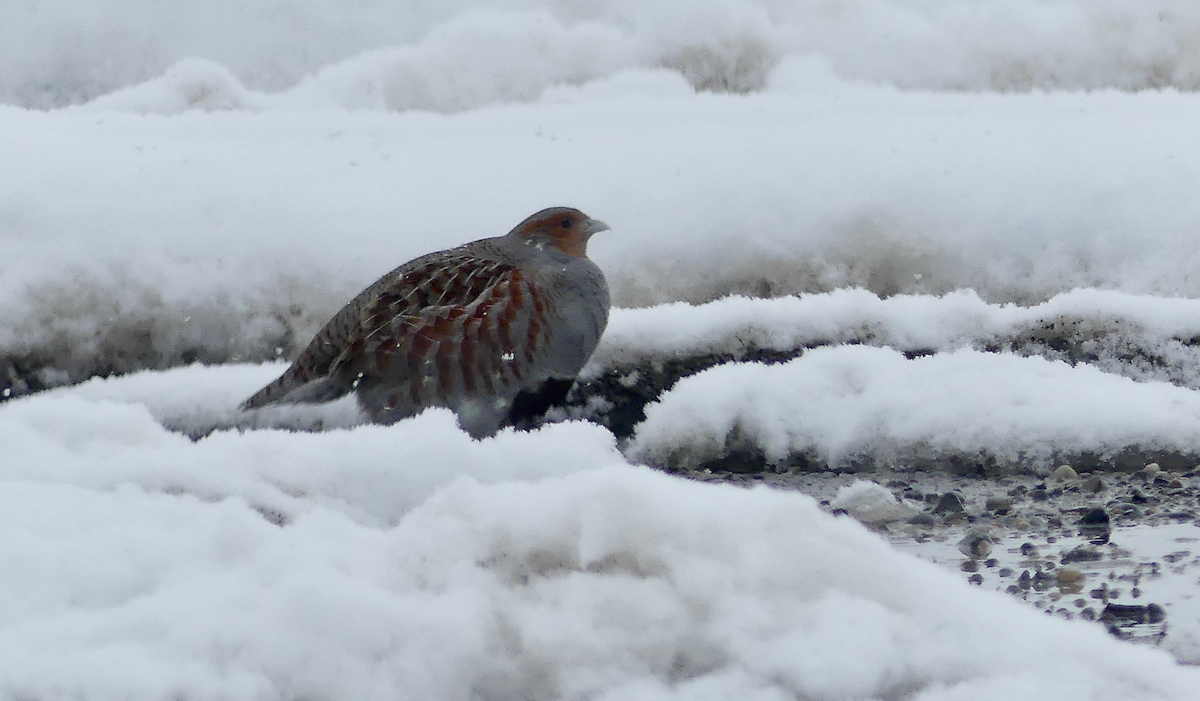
495, 330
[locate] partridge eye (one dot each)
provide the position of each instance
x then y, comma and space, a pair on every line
566, 224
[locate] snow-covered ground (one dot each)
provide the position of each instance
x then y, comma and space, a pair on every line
933, 260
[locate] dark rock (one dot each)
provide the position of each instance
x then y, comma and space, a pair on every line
1094, 525
1081, 554
998, 505
969, 566
1024, 581
976, 579
922, 520
1095, 517
1092, 485
949, 503
1038, 495
1121, 614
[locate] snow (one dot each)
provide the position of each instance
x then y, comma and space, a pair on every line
857, 403
1116, 331
75, 51
412, 562
870, 503
275, 218
947, 258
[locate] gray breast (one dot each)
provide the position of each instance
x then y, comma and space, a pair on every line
583, 302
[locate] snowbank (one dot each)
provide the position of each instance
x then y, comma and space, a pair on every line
858, 405
401, 562
1139, 336
405, 55
134, 241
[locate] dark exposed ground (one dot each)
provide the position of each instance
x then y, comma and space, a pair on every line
1118, 548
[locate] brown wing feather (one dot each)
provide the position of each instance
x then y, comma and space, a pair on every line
448, 279
490, 346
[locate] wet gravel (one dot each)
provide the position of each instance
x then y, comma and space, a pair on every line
1119, 549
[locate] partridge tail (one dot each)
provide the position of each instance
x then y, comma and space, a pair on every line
290, 389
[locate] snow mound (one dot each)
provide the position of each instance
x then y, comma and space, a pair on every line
403, 562
858, 406
456, 55
191, 84
111, 436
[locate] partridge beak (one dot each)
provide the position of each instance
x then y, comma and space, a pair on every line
595, 226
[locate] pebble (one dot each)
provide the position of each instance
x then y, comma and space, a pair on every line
1064, 473
1152, 469
1133, 615
1095, 517
1095, 526
948, 503
1081, 554
976, 544
1069, 575
998, 505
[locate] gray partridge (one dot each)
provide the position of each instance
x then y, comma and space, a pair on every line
495, 330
